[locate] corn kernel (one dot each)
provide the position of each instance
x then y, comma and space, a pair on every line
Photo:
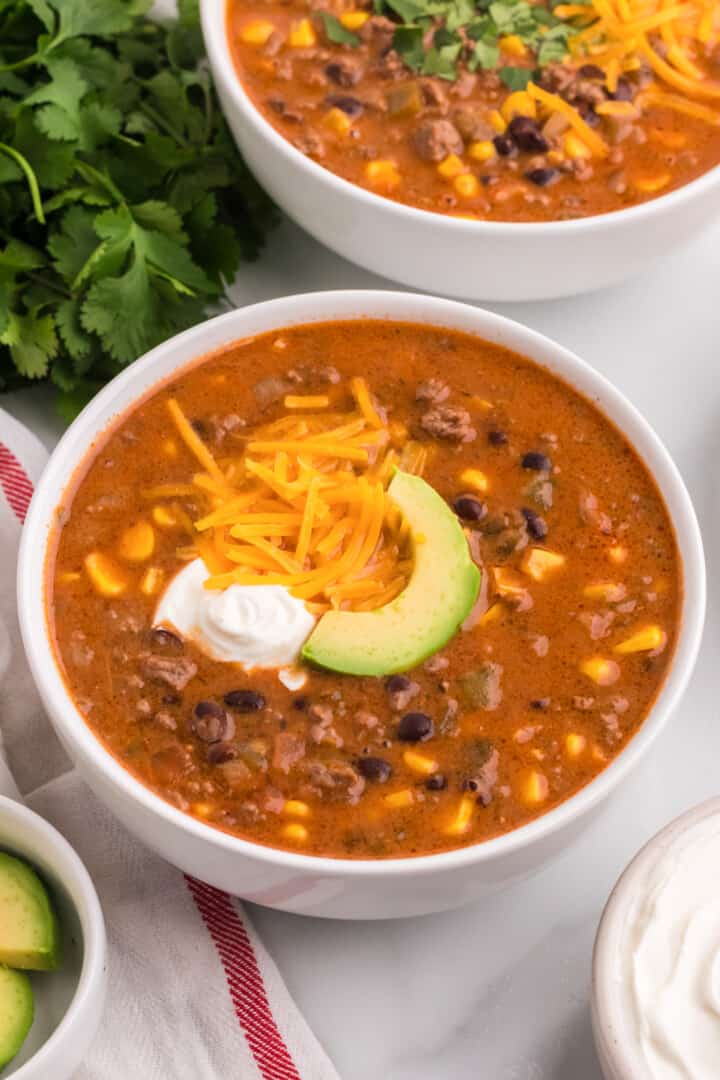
512, 45
257, 33
151, 580
467, 186
575, 744
382, 173
482, 150
295, 832
296, 808
539, 563
451, 166
644, 640
617, 554
338, 121
609, 592
534, 788
399, 799
419, 763
475, 479
673, 140
353, 20
398, 431
170, 448
574, 147
555, 157
463, 817
106, 576
601, 671
302, 35
492, 614
202, 809
68, 576
518, 104
164, 517
497, 121
648, 185
508, 583
137, 543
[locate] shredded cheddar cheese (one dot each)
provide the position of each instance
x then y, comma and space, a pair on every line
302, 504
673, 38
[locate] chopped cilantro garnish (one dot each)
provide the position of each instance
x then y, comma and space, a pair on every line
336, 31
459, 23
124, 205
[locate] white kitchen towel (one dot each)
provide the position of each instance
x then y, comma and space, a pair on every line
193, 994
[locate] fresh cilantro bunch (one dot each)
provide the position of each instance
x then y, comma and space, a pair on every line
124, 204
469, 31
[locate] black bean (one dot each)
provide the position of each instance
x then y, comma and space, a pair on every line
540, 703
349, 105
200, 428
300, 703
536, 525
624, 90
210, 723
536, 462
171, 699
220, 752
244, 701
374, 768
504, 145
526, 134
415, 727
469, 508
591, 71
397, 683
541, 177
160, 638
497, 438
436, 782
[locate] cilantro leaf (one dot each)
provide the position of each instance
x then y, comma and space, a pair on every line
335, 31
515, 78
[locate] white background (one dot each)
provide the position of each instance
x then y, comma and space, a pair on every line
500, 990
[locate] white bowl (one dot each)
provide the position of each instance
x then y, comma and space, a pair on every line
617, 1046
477, 260
283, 879
68, 1002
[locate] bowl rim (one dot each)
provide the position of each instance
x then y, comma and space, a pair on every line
609, 1029
74, 874
321, 307
223, 67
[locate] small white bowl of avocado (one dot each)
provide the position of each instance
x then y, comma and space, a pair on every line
52, 950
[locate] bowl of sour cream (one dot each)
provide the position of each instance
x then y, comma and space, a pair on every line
656, 965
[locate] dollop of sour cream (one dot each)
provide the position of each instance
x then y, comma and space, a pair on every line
253, 625
672, 958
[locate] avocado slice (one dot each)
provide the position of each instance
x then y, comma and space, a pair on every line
442, 590
29, 935
17, 1010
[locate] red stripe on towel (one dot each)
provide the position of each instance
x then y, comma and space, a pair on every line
15, 483
245, 982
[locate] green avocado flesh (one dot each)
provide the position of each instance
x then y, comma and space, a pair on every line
442, 590
16, 1012
29, 935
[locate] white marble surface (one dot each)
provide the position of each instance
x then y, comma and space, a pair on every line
500, 990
